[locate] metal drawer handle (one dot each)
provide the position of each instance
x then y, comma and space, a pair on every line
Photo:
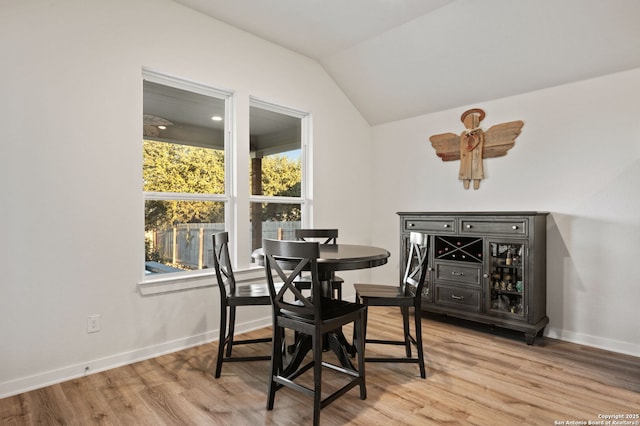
446, 225
454, 297
457, 273
469, 226
411, 225
514, 227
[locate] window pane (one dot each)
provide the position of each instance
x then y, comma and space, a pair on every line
178, 234
273, 220
183, 141
183, 153
275, 168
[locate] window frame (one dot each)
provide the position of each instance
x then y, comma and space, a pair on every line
195, 278
237, 197
305, 199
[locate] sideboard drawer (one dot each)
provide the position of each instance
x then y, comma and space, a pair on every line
517, 227
458, 273
439, 225
458, 297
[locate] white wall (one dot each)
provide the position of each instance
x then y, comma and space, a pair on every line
578, 157
72, 209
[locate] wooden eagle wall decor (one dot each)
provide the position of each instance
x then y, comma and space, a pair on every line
472, 145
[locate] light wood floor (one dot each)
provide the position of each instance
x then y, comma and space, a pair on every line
474, 376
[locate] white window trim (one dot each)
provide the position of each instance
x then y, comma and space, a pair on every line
306, 196
203, 278
234, 196
195, 279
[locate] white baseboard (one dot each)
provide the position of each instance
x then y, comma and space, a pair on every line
36, 381
594, 341
40, 380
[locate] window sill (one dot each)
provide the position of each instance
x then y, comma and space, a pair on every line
169, 283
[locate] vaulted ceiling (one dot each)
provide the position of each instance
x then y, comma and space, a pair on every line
402, 58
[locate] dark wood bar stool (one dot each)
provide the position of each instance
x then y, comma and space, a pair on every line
407, 295
232, 296
322, 236
311, 318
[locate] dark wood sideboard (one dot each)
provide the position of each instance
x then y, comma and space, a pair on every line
488, 267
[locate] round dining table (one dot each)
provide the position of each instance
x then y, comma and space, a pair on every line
332, 258
341, 257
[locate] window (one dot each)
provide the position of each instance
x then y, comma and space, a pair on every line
191, 186
276, 171
184, 173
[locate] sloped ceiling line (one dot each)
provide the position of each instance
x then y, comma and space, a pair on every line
397, 59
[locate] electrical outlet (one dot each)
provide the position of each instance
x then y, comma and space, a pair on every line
93, 323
